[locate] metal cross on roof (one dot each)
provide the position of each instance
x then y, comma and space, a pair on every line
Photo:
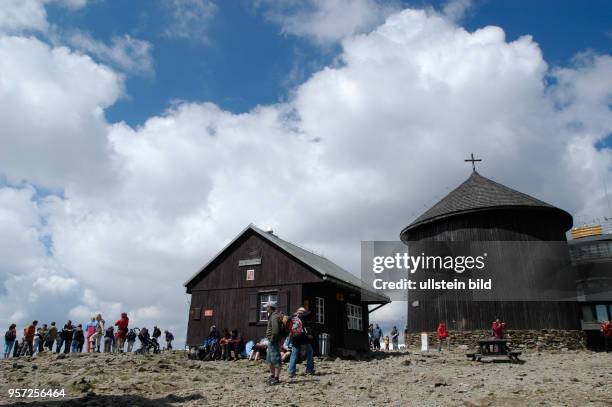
473, 161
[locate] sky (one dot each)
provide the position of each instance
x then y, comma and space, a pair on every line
140, 137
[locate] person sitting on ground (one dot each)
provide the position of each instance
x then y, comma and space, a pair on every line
249, 349
235, 345
606, 330
260, 349
109, 339
169, 339
10, 336
208, 348
50, 337
442, 336
498, 329
224, 344
394, 338
68, 332
131, 339
286, 349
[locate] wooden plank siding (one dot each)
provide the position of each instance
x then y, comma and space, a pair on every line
502, 225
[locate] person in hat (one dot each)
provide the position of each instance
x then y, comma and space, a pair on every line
301, 340
273, 353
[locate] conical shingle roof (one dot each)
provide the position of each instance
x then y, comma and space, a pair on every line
480, 193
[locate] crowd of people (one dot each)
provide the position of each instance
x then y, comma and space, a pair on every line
94, 337
286, 339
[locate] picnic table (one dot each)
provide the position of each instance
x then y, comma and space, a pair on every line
494, 348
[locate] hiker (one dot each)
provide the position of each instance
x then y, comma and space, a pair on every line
606, 330
386, 341
9, 340
498, 329
273, 330
131, 339
109, 339
259, 348
67, 333
90, 329
28, 335
156, 334
224, 344
78, 339
394, 338
371, 335
50, 337
406, 337
41, 338
169, 339
376, 336
301, 340
99, 332
442, 336
37, 339
122, 329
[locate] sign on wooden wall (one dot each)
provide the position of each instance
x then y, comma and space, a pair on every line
250, 274
208, 313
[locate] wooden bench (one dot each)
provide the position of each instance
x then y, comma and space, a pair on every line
494, 349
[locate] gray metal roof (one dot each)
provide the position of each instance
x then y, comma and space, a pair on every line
480, 193
326, 268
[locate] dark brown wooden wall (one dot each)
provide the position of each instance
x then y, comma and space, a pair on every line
224, 289
496, 226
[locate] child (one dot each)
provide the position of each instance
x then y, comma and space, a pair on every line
387, 343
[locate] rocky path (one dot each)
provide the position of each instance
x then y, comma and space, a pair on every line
573, 378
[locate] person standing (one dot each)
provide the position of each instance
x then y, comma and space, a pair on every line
169, 339
273, 354
371, 335
28, 335
41, 340
68, 332
131, 338
606, 330
50, 337
99, 332
109, 339
10, 337
78, 339
90, 330
442, 336
301, 340
406, 337
498, 328
394, 338
122, 330
377, 335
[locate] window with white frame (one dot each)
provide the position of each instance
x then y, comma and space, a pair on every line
264, 299
320, 310
353, 316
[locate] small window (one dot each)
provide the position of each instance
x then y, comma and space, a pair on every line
601, 312
320, 310
264, 299
353, 315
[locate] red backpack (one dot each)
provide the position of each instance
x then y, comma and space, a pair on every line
297, 328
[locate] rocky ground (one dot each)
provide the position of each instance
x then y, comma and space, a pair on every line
563, 378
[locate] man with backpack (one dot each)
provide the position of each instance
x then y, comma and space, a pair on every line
28, 335
109, 339
273, 334
67, 334
169, 339
301, 339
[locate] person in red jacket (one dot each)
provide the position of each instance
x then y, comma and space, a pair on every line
28, 336
122, 329
498, 329
442, 336
606, 330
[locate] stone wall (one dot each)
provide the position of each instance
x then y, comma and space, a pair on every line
544, 339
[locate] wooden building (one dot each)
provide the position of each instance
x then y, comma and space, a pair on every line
257, 267
481, 210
